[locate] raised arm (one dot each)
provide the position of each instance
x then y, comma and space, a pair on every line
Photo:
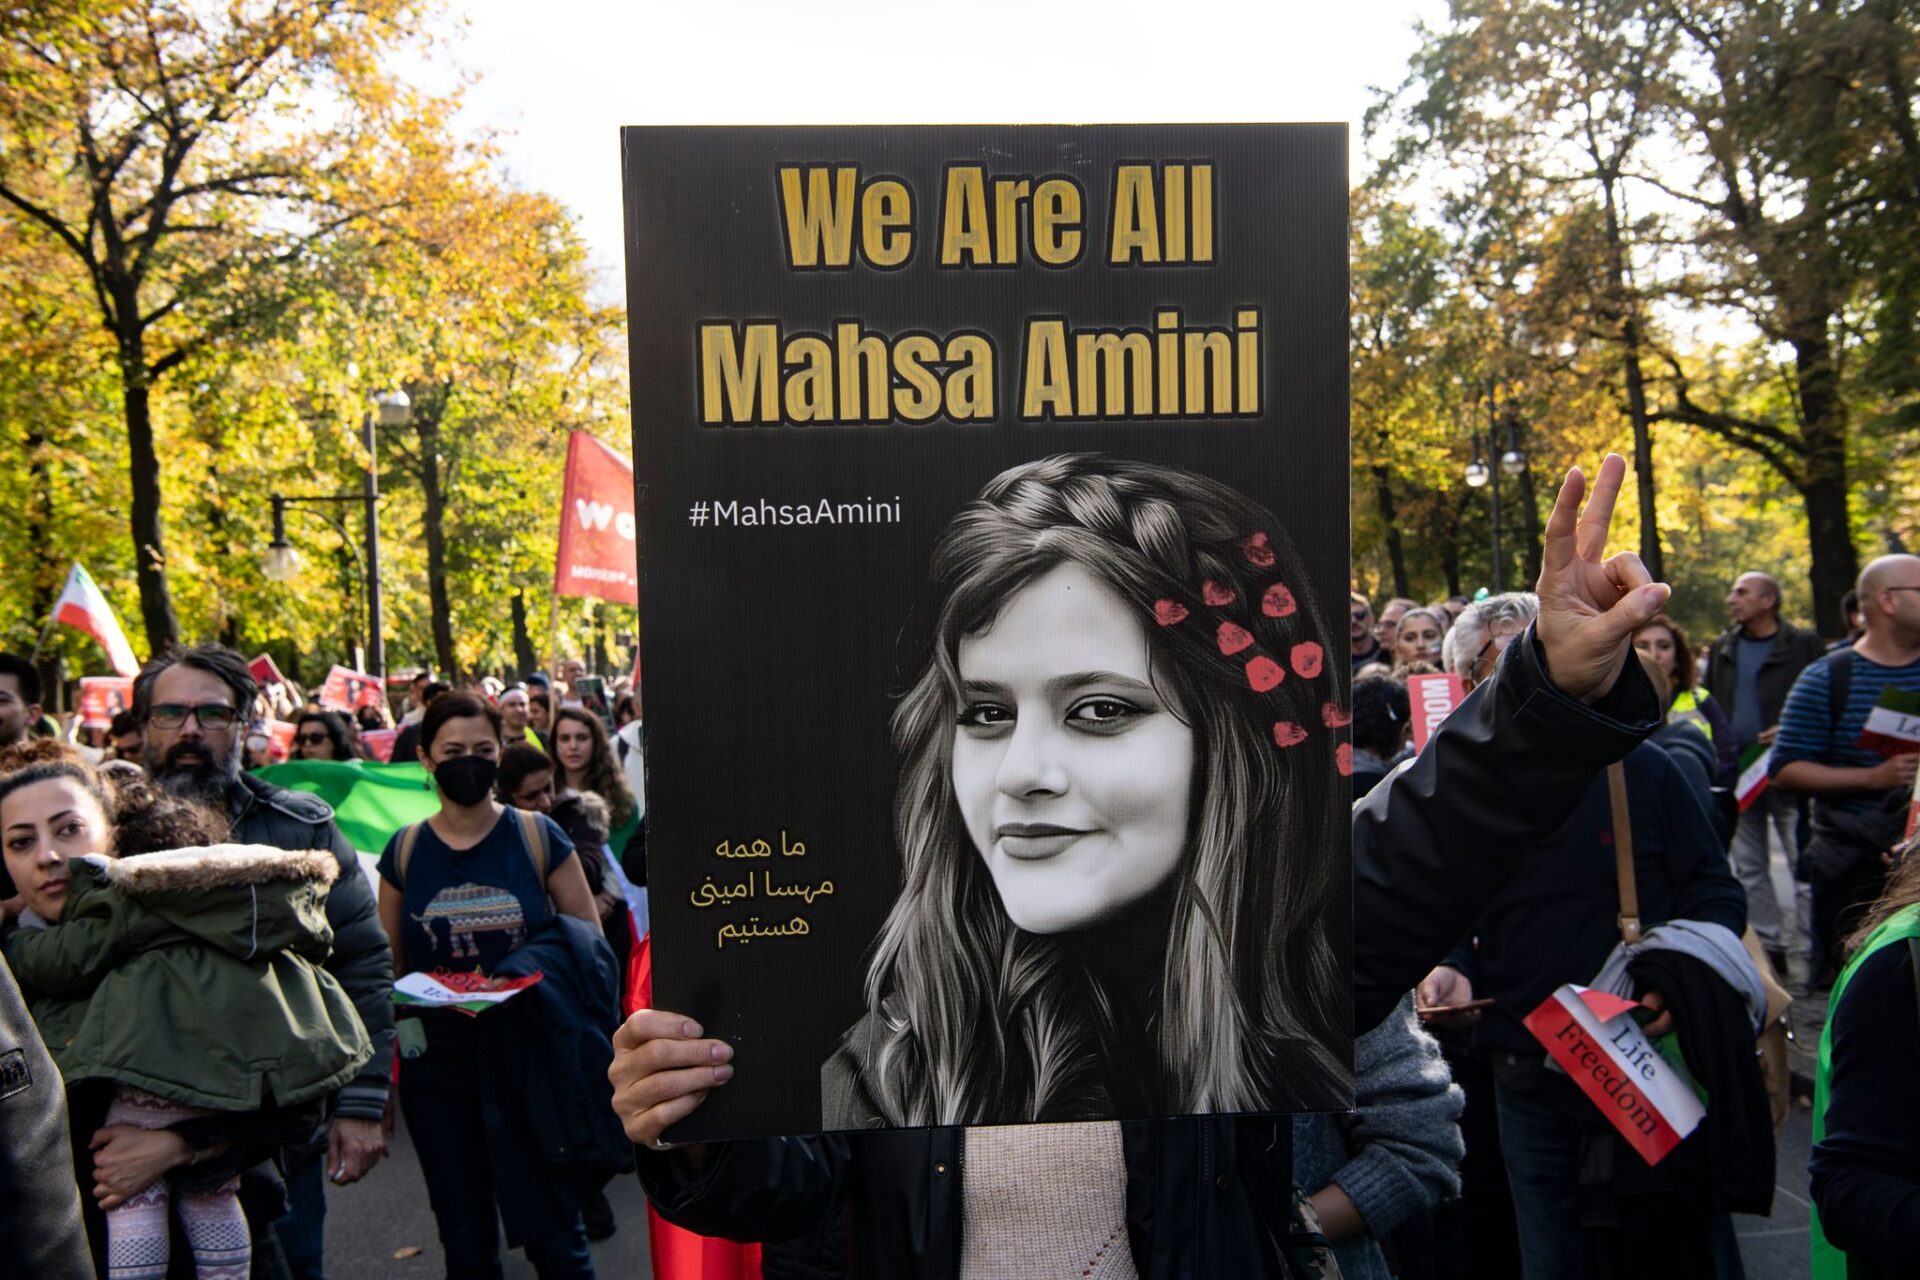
1435, 842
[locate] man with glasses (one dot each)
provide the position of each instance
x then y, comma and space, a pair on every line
191, 705
1365, 647
1859, 793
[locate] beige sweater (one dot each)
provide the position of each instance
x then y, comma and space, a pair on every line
1046, 1202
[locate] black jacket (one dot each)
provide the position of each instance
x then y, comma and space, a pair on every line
362, 962
553, 1060
1794, 650
1555, 922
1206, 1196
39, 1201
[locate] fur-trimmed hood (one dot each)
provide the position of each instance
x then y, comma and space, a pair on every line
246, 899
214, 867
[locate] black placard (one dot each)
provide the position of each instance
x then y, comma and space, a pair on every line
1108, 366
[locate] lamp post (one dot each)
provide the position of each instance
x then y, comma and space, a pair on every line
1512, 461
281, 561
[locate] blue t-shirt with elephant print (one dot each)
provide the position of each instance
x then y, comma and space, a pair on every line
466, 909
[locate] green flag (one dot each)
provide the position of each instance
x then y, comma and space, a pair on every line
370, 801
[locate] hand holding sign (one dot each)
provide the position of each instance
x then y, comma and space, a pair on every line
1590, 607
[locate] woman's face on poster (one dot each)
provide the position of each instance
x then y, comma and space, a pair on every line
1071, 771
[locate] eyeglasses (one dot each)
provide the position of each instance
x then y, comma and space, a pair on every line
311, 739
1501, 641
210, 715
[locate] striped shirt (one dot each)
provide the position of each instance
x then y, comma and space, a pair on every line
1808, 732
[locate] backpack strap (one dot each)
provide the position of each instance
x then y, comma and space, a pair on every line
1839, 686
533, 835
1629, 918
409, 836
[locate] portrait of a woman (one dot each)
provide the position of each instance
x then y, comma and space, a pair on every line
1121, 817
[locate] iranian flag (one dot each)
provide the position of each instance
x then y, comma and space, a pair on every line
1753, 775
1893, 726
82, 607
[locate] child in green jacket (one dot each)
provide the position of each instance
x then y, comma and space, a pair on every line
188, 976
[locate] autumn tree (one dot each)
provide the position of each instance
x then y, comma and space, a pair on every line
187, 160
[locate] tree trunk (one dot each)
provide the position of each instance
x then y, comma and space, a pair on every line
434, 522
1396, 552
43, 570
149, 548
1530, 525
525, 657
1829, 530
1630, 347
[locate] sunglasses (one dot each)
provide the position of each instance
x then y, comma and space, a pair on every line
210, 715
311, 739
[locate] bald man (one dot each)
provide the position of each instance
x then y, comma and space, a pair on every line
1750, 668
1859, 794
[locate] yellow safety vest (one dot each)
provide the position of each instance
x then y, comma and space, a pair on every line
1686, 708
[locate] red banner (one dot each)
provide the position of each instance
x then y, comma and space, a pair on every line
102, 698
1432, 698
596, 525
265, 672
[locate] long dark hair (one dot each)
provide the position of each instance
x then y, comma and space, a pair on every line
335, 724
602, 776
983, 1022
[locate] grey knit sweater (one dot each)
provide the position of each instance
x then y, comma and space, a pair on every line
1399, 1151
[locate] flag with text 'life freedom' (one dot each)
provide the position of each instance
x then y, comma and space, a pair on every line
1893, 726
1649, 1098
1755, 763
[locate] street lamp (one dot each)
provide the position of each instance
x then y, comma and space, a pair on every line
1477, 472
1512, 461
393, 409
281, 561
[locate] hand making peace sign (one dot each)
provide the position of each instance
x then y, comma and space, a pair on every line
1590, 607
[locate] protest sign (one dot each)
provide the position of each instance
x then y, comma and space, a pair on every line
266, 672
1893, 726
991, 485
596, 524
280, 734
346, 689
1647, 1097
1433, 698
102, 698
379, 743
590, 693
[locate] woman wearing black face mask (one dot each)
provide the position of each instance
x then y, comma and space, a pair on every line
458, 893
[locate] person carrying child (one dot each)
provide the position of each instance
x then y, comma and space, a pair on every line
188, 977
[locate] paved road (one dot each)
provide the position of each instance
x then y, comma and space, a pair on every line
368, 1223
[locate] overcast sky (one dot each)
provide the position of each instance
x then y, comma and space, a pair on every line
559, 77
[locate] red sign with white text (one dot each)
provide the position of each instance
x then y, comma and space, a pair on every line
102, 698
596, 525
1432, 698
379, 743
346, 689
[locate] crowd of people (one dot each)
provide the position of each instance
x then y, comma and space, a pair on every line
1599, 809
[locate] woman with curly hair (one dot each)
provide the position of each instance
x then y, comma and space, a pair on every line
584, 754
